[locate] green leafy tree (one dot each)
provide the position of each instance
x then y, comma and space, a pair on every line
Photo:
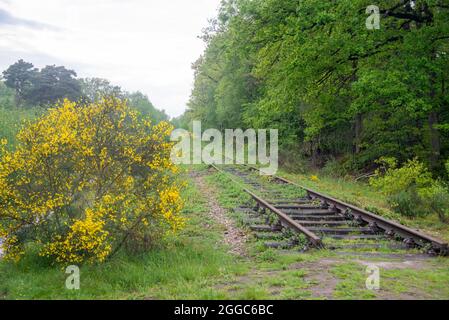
19, 77
93, 89
334, 88
141, 102
52, 84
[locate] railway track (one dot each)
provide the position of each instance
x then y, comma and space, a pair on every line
304, 217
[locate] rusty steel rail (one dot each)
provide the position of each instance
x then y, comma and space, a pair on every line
287, 221
284, 218
390, 227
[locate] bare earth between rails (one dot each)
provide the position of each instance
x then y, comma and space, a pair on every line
233, 236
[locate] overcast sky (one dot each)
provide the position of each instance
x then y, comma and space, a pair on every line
145, 45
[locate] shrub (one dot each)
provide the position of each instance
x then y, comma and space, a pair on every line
84, 181
411, 190
334, 168
291, 161
408, 203
392, 180
437, 199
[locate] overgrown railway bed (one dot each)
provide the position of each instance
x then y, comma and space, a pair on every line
287, 215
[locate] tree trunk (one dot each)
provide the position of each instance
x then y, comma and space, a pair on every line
316, 153
358, 126
18, 100
435, 144
358, 132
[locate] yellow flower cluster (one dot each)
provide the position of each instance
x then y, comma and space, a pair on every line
85, 180
171, 203
85, 242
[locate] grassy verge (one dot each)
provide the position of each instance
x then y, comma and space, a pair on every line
186, 267
11, 121
323, 274
195, 265
362, 195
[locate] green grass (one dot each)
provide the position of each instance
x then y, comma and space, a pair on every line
363, 196
230, 194
410, 281
352, 284
195, 265
186, 266
286, 275
11, 121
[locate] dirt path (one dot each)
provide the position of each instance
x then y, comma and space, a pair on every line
233, 236
333, 276
324, 283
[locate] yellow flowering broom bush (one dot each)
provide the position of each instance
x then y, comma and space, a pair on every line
86, 180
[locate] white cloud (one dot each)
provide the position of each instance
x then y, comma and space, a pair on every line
145, 45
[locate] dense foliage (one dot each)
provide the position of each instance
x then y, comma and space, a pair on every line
27, 87
94, 89
41, 87
84, 180
334, 88
26, 93
411, 189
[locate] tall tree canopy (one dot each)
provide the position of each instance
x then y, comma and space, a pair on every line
333, 87
54, 83
41, 87
34, 87
141, 102
19, 77
94, 89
